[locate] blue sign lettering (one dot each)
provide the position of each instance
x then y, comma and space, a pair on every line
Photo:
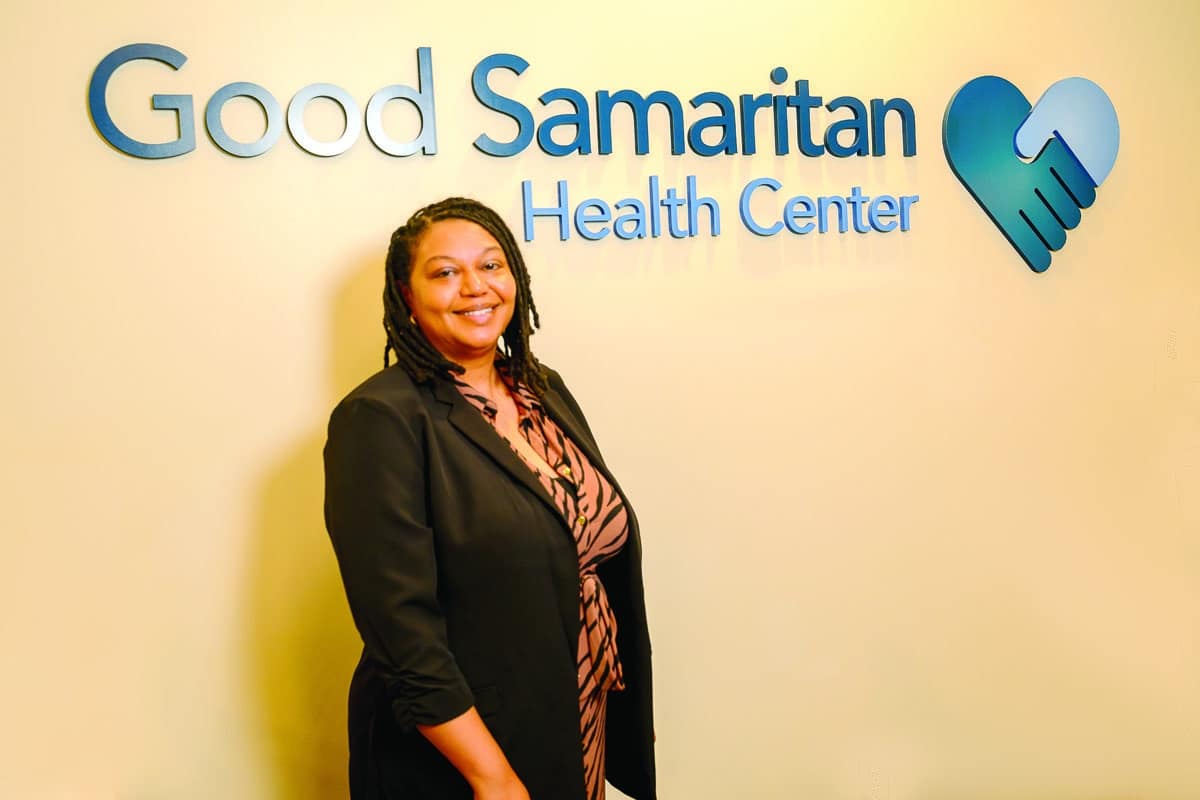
216, 130
862, 133
181, 104
420, 98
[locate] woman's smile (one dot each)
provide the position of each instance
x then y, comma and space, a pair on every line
478, 313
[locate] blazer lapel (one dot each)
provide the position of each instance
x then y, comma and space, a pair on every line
574, 428
467, 419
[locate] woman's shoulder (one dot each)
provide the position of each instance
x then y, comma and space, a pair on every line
558, 387
391, 388
553, 378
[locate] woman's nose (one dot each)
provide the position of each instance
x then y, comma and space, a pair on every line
473, 282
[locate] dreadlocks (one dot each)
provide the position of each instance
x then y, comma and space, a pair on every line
413, 351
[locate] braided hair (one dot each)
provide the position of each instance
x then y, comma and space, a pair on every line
413, 352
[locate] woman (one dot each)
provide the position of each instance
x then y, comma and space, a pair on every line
492, 565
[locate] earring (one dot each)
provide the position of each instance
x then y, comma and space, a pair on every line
412, 320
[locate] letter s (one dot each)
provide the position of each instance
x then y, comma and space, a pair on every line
505, 105
180, 103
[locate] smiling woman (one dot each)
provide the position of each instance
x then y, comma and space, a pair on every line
491, 561
460, 290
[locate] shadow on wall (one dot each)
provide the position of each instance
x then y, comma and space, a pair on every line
300, 642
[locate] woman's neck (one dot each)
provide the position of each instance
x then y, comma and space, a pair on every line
482, 374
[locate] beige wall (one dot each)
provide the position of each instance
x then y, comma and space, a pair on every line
918, 523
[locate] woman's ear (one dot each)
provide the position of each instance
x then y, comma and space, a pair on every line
406, 293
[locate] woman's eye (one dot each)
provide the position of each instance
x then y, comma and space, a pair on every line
492, 266
443, 273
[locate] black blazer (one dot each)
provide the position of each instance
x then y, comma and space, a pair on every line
463, 581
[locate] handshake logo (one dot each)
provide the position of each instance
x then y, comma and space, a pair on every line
1031, 168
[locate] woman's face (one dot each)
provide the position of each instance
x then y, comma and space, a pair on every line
460, 290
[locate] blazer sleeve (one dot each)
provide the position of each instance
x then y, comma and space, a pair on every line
376, 516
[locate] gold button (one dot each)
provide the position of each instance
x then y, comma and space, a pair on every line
565, 471
581, 519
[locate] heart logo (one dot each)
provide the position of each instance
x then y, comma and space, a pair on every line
1032, 169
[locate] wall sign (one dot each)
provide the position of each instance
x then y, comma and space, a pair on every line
1071, 135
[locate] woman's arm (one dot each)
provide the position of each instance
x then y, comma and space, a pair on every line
375, 513
376, 516
467, 744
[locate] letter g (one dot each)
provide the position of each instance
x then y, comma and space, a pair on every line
180, 103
